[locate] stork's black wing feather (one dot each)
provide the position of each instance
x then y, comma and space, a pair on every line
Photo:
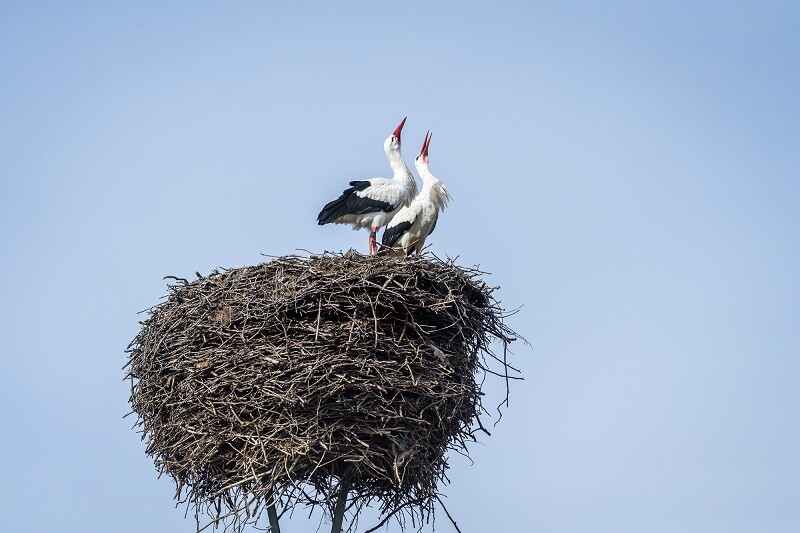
393, 233
435, 220
349, 203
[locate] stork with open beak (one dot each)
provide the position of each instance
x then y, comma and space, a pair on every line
407, 231
372, 203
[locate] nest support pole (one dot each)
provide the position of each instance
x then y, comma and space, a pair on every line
272, 514
341, 505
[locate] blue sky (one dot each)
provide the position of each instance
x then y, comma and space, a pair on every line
627, 171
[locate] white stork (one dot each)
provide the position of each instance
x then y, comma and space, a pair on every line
410, 227
372, 203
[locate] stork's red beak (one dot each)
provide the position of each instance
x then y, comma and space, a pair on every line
424, 151
399, 128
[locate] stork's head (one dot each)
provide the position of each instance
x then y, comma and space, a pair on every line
422, 158
392, 144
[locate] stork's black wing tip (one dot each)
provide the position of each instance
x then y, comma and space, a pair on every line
393, 233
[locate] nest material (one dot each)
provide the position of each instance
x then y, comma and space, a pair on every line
300, 375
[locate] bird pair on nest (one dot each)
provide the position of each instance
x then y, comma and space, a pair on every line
392, 202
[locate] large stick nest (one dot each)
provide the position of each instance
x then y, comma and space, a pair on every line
295, 375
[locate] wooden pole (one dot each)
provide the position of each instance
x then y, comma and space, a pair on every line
274, 527
341, 503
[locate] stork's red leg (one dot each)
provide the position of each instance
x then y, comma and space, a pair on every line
373, 243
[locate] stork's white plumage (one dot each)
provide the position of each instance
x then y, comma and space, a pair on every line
372, 203
410, 227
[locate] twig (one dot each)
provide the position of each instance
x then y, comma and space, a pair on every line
448, 513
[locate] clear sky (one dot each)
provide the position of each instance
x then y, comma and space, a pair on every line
627, 171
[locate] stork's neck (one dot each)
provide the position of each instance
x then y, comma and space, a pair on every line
428, 179
432, 188
400, 170
398, 165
